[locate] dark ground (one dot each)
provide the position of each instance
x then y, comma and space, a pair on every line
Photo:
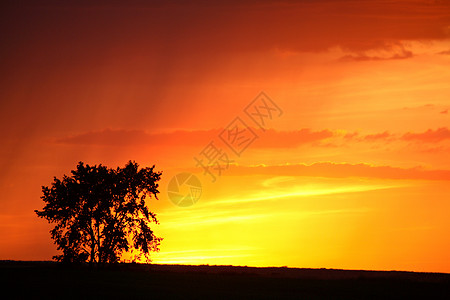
39, 280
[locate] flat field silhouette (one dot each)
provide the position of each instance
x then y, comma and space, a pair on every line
51, 280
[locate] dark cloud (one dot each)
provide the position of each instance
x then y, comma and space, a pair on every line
269, 139
429, 136
121, 137
60, 57
200, 27
378, 136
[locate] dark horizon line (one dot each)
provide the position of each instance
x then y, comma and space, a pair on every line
200, 266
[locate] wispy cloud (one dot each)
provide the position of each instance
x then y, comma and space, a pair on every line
300, 192
342, 170
404, 54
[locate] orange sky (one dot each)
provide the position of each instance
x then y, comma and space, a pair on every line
354, 174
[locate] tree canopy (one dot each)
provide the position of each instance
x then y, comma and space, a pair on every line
100, 213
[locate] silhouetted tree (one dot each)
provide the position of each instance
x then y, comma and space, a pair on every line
100, 213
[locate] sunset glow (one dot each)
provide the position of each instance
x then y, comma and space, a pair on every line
352, 172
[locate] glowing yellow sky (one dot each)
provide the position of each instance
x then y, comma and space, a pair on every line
354, 174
